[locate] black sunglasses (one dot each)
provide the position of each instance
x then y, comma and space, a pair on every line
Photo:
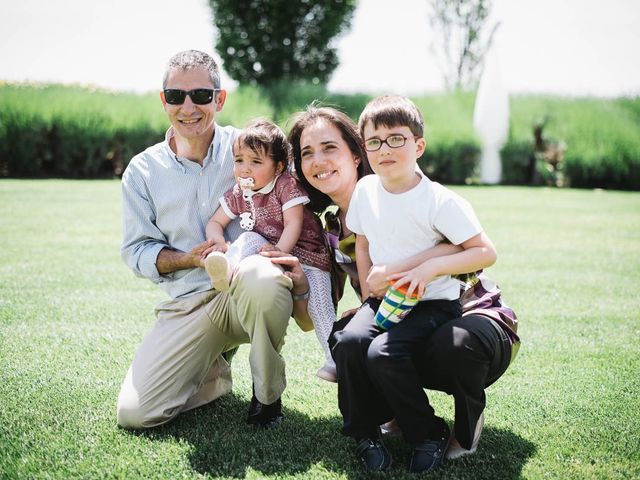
199, 96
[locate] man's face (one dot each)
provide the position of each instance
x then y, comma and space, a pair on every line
190, 120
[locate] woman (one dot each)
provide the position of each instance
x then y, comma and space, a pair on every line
463, 356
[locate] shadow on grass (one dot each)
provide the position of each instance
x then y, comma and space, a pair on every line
224, 445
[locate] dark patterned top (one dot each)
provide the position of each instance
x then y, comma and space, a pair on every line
267, 219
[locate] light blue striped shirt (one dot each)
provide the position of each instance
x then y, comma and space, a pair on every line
167, 201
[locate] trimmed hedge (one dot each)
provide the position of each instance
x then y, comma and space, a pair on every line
71, 132
79, 132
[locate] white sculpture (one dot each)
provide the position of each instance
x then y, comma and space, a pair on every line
491, 118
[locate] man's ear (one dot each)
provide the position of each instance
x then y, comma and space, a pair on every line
162, 99
220, 99
421, 146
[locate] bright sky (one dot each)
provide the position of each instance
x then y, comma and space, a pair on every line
573, 47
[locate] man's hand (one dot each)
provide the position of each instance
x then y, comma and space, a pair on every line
172, 260
200, 252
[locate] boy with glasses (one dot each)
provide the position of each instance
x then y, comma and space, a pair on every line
397, 214
169, 193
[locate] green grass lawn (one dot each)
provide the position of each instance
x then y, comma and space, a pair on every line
72, 315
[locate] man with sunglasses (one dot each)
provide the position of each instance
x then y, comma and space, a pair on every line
169, 193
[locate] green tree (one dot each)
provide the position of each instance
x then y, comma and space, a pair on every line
463, 39
266, 42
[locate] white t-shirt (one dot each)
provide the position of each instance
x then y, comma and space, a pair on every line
399, 226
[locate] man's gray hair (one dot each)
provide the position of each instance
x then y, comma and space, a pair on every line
191, 60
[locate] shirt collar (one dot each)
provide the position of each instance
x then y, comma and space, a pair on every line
214, 148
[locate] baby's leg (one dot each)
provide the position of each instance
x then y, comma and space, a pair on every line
322, 314
221, 266
246, 244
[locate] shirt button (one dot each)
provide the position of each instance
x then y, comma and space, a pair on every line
200, 173
203, 204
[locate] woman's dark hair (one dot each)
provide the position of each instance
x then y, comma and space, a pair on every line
349, 132
262, 136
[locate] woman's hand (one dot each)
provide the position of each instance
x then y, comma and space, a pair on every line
270, 247
292, 269
351, 311
378, 281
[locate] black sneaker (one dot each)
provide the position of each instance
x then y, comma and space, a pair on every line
264, 416
373, 454
428, 454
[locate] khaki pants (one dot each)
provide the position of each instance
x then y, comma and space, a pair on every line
179, 365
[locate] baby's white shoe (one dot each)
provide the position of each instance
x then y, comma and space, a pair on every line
217, 267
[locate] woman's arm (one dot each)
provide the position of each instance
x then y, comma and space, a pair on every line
478, 253
363, 263
300, 289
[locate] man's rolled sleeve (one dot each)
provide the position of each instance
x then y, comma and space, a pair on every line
147, 262
142, 240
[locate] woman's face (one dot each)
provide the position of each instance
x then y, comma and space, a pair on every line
326, 160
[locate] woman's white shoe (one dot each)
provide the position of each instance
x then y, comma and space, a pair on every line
456, 451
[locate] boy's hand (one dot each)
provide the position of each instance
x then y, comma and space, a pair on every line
416, 279
378, 281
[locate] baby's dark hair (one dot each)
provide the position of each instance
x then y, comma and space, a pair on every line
392, 111
264, 137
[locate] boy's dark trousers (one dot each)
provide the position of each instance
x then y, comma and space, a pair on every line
377, 376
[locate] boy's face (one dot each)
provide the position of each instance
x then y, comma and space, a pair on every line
395, 166
257, 165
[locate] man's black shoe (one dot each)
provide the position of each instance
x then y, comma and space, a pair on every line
373, 454
428, 454
264, 416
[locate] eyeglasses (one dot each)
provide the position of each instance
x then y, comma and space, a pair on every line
199, 96
394, 141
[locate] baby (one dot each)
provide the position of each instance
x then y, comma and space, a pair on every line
270, 201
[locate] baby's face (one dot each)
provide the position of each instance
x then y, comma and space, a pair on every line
253, 165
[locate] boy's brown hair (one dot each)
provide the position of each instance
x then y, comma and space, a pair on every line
264, 137
392, 111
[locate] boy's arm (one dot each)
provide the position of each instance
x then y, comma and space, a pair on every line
378, 281
478, 253
363, 263
292, 218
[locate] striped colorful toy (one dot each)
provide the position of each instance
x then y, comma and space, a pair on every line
395, 306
